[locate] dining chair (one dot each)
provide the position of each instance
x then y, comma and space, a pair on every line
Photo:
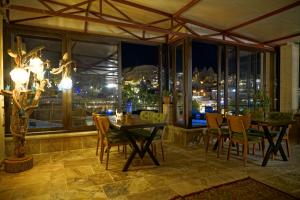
239, 134
214, 122
145, 132
108, 137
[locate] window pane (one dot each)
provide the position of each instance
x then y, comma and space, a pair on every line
249, 81
232, 67
204, 81
95, 84
179, 85
48, 114
140, 77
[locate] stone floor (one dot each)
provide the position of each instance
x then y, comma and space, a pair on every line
79, 175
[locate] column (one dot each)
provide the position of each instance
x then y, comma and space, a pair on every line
2, 130
289, 77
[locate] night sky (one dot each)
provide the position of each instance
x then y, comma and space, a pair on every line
136, 54
204, 55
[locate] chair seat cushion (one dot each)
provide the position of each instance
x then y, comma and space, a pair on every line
116, 137
251, 138
214, 131
254, 132
143, 134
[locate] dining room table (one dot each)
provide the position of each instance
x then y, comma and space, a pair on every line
274, 145
133, 122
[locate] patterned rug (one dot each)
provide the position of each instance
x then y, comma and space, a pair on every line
244, 189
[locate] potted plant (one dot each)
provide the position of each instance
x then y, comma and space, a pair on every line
167, 97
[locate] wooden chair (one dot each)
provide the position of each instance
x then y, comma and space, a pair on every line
144, 133
108, 138
238, 134
214, 122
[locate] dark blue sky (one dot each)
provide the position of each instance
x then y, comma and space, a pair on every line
136, 54
204, 55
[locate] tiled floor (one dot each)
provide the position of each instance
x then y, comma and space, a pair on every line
79, 175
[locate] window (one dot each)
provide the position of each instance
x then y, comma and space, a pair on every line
204, 81
48, 114
95, 83
140, 74
249, 80
179, 84
231, 81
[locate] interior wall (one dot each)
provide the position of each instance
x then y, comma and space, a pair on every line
289, 77
1, 96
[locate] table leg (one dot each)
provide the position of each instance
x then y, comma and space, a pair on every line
271, 147
278, 144
142, 152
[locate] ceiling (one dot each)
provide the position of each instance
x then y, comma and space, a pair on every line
256, 23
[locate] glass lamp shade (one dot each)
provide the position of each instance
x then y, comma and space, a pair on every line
19, 75
65, 84
36, 65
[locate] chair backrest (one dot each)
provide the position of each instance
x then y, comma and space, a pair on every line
236, 125
246, 121
214, 120
152, 116
102, 124
283, 116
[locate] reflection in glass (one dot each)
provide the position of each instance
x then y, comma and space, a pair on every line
95, 84
48, 114
179, 84
231, 81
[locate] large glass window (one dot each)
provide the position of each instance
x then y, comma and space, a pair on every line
231, 81
249, 80
48, 113
204, 81
95, 83
179, 84
140, 85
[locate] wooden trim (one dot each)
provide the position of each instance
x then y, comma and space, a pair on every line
256, 19
282, 38
185, 8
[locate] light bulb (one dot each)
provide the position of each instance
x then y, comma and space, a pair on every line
65, 84
19, 75
36, 65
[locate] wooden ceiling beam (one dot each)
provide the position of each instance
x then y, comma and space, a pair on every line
117, 23
118, 10
132, 4
256, 19
185, 8
134, 35
185, 20
86, 15
74, 6
46, 5
282, 38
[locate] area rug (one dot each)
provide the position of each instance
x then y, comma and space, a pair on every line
244, 189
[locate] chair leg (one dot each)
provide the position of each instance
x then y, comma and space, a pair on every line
107, 157
101, 153
287, 147
98, 140
229, 148
207, 143
219, 145
162, 151
125, 151
245, 153
263, 147
253, 150
237, 149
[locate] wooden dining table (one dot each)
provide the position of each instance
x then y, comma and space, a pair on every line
136, 123
274, 146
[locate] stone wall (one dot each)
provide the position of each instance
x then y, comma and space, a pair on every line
184, 137
55, 142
